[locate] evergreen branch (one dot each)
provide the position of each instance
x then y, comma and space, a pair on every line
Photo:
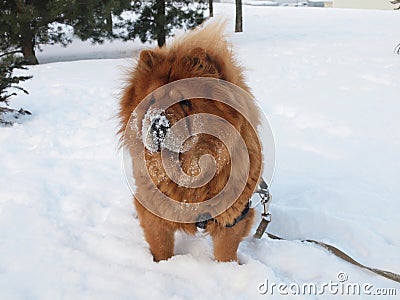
10, 53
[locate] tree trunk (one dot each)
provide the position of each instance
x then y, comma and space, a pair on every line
160, 22
211, 8
239, 19
28, 45
108, 14
109, 23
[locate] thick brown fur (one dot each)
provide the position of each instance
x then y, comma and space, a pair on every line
200, 53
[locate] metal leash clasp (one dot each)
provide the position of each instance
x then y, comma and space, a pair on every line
266, 218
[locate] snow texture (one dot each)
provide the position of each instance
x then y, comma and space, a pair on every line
155, 126
328, 81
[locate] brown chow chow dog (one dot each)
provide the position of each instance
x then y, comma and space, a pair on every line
199, 53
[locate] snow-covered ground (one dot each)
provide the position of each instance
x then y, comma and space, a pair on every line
328, 81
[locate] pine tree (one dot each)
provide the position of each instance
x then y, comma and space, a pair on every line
30, 23
157, 18
93, 20
27, 24
9, 82
8, 62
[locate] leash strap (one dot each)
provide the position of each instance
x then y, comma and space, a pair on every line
266, 219
339, 253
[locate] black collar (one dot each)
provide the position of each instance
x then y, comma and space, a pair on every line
203, 219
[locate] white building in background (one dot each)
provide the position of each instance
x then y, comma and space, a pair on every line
368, 4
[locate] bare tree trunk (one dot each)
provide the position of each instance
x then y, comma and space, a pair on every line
109, 23
211, 8
28, 44
109, 20
239, 18
160, 25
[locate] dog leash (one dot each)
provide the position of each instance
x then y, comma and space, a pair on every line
266, 199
